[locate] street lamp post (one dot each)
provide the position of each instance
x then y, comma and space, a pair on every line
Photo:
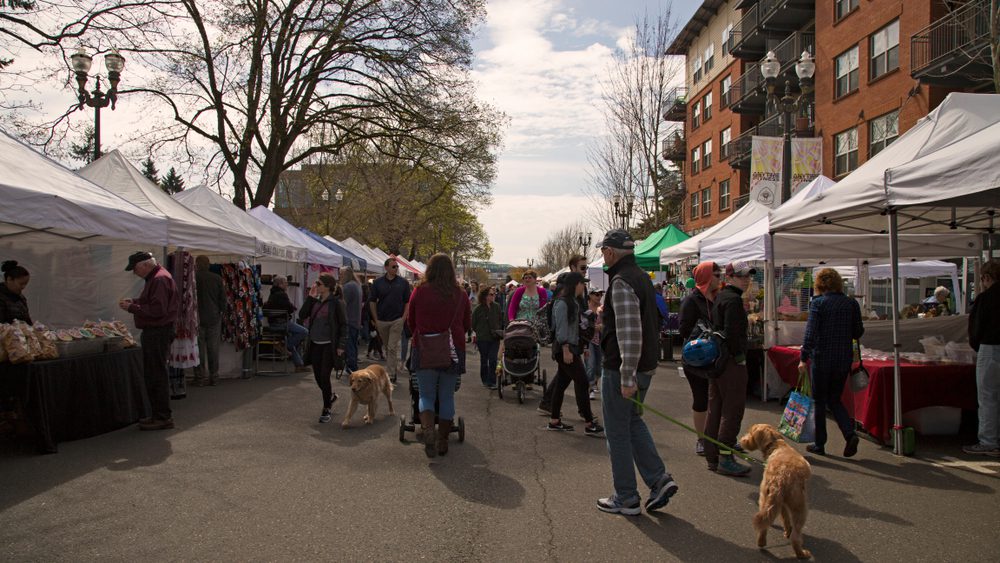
531, 263
788, 105
623, 209
97, 99
584, 240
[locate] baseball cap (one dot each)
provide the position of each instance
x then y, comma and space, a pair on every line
140, 256
597, 291
741, 269
617, 238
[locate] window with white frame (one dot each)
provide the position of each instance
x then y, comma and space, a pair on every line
696, 115
845, 149
707, 111
882, 131
696, 70
706, 202
723, 195
724, 86
706, 155
883, 47
844, 7
695, 160
725, 136
695, 204
727, 39
709, 57
846, 69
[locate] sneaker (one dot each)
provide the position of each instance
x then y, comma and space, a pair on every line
593, 429
593, 395
660, 495
699, 447
729, 466
325, 416
493, 387
818, 450
852, 446
544, 410
560, 426
615, 506
157, 424
980, 449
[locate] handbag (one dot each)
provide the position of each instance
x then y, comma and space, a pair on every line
859, 375
435, 349
798, 421
715, 369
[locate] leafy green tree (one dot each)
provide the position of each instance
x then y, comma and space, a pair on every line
172, 182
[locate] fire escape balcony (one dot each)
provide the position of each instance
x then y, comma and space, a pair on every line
747, 94
675, 104
749, 39
675, 145
789, 51
955, 50
785, 15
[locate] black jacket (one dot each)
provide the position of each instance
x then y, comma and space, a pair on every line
729, 316
983, 325
628, 271
13, 307
694, 306
278, 300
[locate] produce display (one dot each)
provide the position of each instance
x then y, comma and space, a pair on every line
21, 342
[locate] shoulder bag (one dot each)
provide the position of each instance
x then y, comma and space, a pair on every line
435, 349
859, 375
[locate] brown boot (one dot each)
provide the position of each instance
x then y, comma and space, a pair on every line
444, 429
427, 422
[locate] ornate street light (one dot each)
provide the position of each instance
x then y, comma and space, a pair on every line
584, 240
788, 105
97, 99
623, 208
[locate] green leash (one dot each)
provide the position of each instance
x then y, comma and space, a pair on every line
722, 447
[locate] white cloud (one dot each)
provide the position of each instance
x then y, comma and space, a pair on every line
519, 224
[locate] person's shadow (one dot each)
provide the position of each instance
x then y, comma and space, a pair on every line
465, 471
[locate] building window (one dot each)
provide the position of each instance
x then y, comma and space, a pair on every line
695, 205
706, 159
847, 72
845, 149
724, 137
844, 7
884, 49
696, 115
882, 131
709, 57
724, 87
723, 195
707, 112
727, 39
706, 202
695, 160
696, 71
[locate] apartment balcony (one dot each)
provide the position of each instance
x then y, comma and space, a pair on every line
785, 15
747, 95
749, 38
740, 148
674, 145
788, 53
741, 201
675, 104
955, 50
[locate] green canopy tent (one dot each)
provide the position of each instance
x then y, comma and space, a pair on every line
647, 253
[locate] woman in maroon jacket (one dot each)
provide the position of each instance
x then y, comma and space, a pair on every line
439, 305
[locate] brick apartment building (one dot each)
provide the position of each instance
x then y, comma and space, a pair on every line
881, 65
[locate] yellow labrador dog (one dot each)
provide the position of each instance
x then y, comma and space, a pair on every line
366, 385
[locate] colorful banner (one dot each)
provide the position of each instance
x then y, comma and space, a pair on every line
765, 170
807, 161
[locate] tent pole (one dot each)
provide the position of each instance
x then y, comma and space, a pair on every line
897, 397
770, 312
964, 281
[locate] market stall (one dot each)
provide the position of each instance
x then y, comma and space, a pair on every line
357, 263
374, 261
648, 250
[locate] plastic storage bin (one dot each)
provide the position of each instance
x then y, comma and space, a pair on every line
934, 421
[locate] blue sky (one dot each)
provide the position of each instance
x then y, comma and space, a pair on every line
540, 62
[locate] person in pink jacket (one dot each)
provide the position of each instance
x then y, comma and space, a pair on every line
528, 299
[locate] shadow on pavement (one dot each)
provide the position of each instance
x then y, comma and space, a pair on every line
687, 543
913, 474
832, 501
465, 471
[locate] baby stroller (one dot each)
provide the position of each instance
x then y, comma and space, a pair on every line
411, 425
519, 363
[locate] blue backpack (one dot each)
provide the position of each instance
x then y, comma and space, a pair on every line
706, 354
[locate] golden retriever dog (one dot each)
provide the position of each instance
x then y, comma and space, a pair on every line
366, 385
783, 488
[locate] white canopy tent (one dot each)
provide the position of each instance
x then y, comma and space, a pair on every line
739, 220
373, 262
185, 228
376, 254
316, 253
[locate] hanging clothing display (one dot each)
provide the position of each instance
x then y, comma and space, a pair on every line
184, 349
244, 310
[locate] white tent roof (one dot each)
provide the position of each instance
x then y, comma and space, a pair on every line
270, 243
185, 228
42, 196
316, 253
375, 252
362, 251
944, 169
923, 269
736, 222
552, 276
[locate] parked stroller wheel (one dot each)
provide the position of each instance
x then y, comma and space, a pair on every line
402, 429
461, 430
520, 392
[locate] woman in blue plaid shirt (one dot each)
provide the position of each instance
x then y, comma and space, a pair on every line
834, 322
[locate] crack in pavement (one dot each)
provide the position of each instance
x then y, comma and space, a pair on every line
539, 469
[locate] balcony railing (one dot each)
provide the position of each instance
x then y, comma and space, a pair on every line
675, 104
747, 93
954, 50
785, 15
740, 148
748, 41
741, 201
789, 51
674, 145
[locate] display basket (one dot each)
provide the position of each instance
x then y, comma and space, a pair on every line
76, 348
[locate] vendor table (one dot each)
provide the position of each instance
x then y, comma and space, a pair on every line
951, 385
73, 398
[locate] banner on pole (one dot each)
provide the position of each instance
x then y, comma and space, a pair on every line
765, 170
807, 161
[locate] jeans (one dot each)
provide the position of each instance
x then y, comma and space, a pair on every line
488, 350
392, 337
295, 334
322, 364
351, 350
988, 386
630, 445
439, 385
155, 349
727, 400
828, 387
594, 363
209, 340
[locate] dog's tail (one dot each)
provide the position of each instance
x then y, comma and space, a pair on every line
770, 507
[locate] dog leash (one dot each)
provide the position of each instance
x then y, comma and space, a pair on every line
722, 447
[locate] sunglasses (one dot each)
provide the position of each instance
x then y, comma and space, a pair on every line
583, 268
393, 267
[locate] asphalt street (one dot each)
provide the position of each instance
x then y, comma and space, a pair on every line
250, 475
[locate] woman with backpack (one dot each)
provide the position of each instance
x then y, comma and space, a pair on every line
695, 306
327, 338
568, 351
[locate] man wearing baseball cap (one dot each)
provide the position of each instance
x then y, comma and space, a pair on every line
727, 394
631, 343
154, 312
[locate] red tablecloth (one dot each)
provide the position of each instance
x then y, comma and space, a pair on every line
952, 385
